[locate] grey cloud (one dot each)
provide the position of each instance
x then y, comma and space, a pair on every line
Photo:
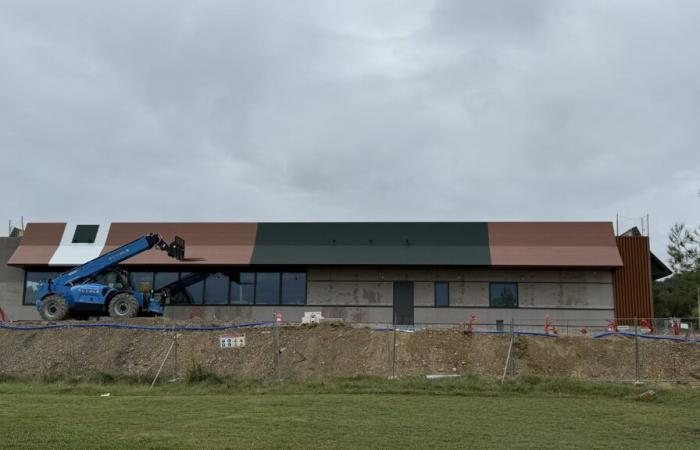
445, 110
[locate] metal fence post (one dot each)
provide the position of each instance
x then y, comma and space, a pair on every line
393, 352
636, 351
512, 356
275, 348
71, 352
176, 363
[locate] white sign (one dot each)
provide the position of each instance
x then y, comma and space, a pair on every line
231, 340
312, 317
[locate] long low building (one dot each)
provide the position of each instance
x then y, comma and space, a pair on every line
379, 272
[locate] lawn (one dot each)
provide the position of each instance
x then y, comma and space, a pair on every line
362, 413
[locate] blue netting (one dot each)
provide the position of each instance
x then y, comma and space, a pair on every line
645, 336
124, 326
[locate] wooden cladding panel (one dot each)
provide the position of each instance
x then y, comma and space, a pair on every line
633, 292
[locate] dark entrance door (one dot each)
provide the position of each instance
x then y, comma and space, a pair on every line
403, 303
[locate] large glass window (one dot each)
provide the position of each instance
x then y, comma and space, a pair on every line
243, 288
216, 289
191, 288
176, 289
442, 293
163, 279
503, 295
267, 288
293, 288
141, 281
34, 279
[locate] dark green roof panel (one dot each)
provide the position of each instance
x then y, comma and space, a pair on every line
349, 243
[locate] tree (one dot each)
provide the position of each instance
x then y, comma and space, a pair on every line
676, 296
683, 248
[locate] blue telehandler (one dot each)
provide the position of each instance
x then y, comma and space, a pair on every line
100, 286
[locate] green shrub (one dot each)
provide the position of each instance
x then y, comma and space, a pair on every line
199, 375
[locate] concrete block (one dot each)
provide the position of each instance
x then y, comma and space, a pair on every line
318, 292
424, 293
469, 294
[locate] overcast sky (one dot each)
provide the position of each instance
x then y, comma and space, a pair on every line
327, 111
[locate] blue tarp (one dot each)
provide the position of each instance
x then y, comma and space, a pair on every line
645, 336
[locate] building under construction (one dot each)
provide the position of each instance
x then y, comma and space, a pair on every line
371, 272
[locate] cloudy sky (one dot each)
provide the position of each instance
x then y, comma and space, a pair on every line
325, 111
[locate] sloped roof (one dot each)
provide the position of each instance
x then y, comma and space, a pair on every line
502, 244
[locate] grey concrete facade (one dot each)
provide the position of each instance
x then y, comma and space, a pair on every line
580, 296
365, 295
12, 284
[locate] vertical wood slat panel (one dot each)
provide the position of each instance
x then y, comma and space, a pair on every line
633, 292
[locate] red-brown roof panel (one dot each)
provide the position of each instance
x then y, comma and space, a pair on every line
38, 244
552, 244
205, 243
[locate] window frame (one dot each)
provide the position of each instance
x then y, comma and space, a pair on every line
278, 301
247, 283
282, 287
435, 294
26, 279
228, 289
517, 294
136, 288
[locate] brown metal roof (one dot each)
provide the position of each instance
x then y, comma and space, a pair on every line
38, 244
553, 244
514, 244
205, 243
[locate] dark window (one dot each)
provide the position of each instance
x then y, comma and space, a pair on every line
243, 288
163, 279
175, 287
442, 293
34, 279
112, 278
247, 277
503, 295
267, 288
85, 234
191, 288
293, 288
216, 289
141, 281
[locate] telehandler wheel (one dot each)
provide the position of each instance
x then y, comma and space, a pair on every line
123, 306
54, 307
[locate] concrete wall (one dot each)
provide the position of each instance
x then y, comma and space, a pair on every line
468, 287
289, 313
12, 284
366, 295
522, 316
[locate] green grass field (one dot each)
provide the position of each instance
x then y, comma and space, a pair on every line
361, 413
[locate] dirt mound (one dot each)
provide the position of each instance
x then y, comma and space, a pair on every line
332, 351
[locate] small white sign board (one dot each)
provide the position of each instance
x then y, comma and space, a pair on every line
232, 340
312, 317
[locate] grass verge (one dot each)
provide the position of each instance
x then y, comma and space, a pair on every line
213, 412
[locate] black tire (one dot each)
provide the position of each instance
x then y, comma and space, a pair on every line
123, 306
54, 307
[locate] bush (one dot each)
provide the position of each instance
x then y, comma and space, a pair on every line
199, 375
